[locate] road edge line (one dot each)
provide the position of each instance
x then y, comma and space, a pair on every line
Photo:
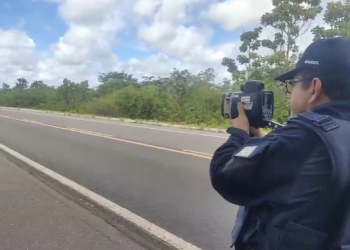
127, 121
165, 238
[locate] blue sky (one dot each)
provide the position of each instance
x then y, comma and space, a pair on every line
37, 18
42, 22
53, 39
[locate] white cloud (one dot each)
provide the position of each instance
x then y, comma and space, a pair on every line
233, 14
146, 8
180, 41
157, 65
17, 58
85, 49
179, 33
169, 33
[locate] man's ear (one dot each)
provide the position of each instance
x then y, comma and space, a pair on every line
315, 90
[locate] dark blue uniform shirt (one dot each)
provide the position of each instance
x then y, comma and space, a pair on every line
265, 176
285, 169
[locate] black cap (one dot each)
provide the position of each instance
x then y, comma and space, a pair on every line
327, 55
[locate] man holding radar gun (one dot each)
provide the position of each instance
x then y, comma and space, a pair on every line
292, 185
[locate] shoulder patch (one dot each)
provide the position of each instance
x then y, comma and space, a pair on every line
246, 152
325, 122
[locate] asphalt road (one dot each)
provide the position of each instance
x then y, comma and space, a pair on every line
35, 217
158, 173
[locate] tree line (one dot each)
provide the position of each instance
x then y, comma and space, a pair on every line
185, 97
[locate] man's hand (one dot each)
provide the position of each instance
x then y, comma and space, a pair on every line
256, 132
241, 122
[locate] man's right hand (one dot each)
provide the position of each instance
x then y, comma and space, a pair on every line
241, 122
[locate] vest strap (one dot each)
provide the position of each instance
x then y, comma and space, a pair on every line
322, 121
259, 225
240, 219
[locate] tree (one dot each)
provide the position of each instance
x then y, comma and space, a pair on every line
115, 76
37, 85
179, 82
208, 75
73, 94
337, 17
290, 19
5, 87
249, 56
238, 76
230, 64
113, 81
21, 84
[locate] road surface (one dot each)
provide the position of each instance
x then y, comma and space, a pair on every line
35, 217
160, 174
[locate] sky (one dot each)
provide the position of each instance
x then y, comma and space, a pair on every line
51, 40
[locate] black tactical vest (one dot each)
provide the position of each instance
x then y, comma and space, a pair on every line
275, 232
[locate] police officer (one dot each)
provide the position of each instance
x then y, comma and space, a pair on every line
292, 184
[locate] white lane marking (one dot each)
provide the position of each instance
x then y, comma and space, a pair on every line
116, 123
145, 225
197, 152
110, 137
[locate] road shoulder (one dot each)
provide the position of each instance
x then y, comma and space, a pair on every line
34, 216
124, 120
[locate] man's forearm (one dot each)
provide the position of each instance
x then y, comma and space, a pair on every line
225, 152
222, 159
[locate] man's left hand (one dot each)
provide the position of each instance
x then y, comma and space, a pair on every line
241, 122
256, 132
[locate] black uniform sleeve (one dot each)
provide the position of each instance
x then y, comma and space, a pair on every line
245, 171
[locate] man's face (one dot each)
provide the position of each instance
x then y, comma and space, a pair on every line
304, 97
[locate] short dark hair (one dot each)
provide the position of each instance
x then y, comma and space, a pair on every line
335, 86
